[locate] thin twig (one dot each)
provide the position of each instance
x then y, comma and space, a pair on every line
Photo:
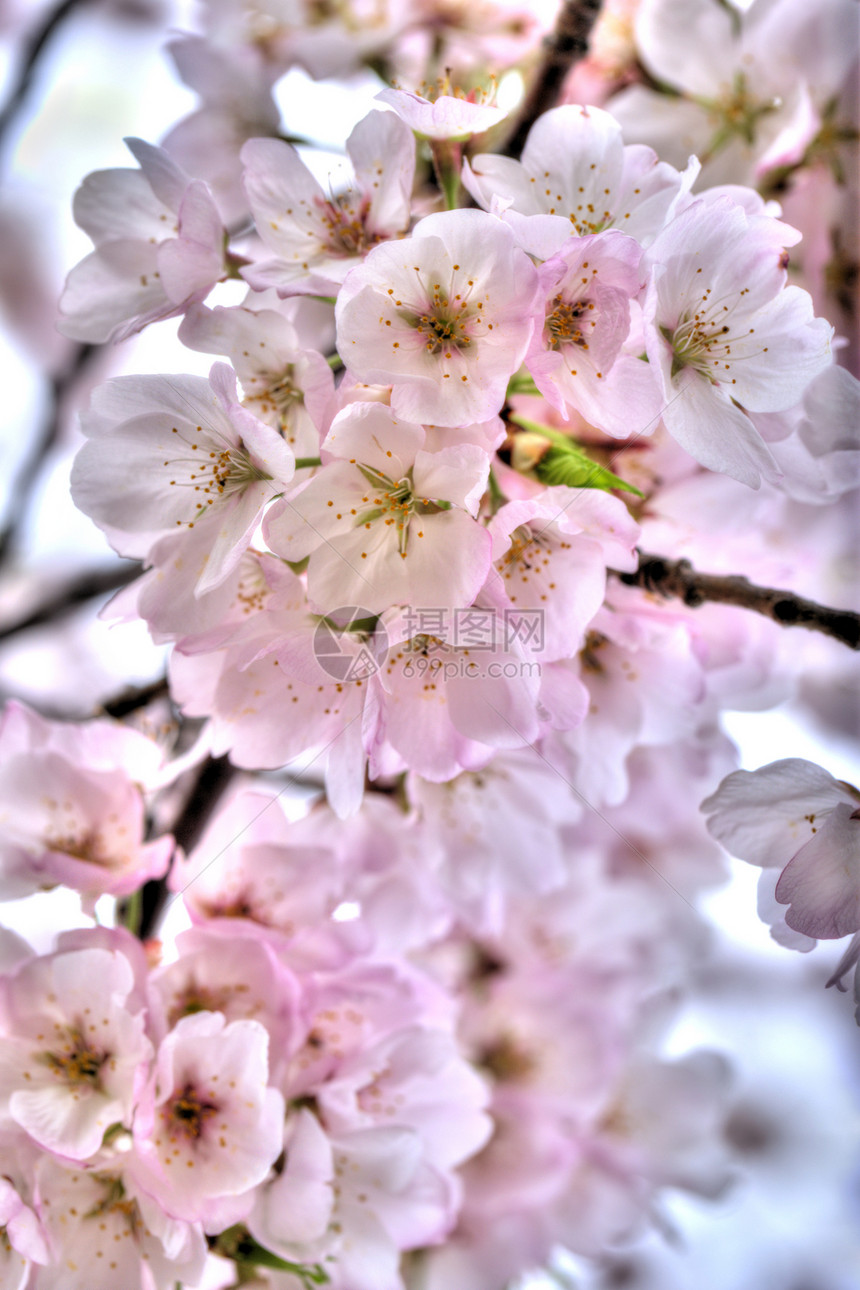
679, 580
32, 52
86, 587
566, 45
213, 779
27, 475
135, 697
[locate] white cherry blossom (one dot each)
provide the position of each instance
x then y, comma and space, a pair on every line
577, 176
317, 238
724, 333
443, 116
159, 246
73, 1056
444, 317
372, 522
288, 386
793, 815
169, 453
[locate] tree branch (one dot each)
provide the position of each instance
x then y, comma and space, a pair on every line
135, 697
213, 779
85, 587
27, 474
33, 47
679, 580
566, 45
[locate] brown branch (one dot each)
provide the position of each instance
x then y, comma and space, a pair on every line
86, 587
566, 45
34, 46
679, 580
214, 777
27, 473
135, 697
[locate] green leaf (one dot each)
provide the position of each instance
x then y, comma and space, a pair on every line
565, 463
521, 383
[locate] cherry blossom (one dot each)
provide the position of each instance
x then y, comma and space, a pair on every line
721, 326
576, 355
287, 386
384, 521
215, 1127
22, 1237
443, 317
749, 84
440, 706
72, 806
111, 1233
235, 88
318, 238
172, 452
443, 116
72, 1056
793, 815
550, 554
159, 246
577, 176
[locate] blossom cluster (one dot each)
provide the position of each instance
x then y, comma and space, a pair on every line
414, 1036
592, 279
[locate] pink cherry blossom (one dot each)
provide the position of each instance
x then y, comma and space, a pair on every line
632, 659
215, 1127
22, 1242
576, 355
73, 808
441, 707
269, 698
550, 555
159, 246
491, 823
444, 317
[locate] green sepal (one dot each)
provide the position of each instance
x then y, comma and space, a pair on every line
238, 1245
565, 463
298, 566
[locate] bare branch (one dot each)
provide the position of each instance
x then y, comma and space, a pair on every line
133, 698
679, 580
34, 46
213, 778
27, 475
83, 588
566, 45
